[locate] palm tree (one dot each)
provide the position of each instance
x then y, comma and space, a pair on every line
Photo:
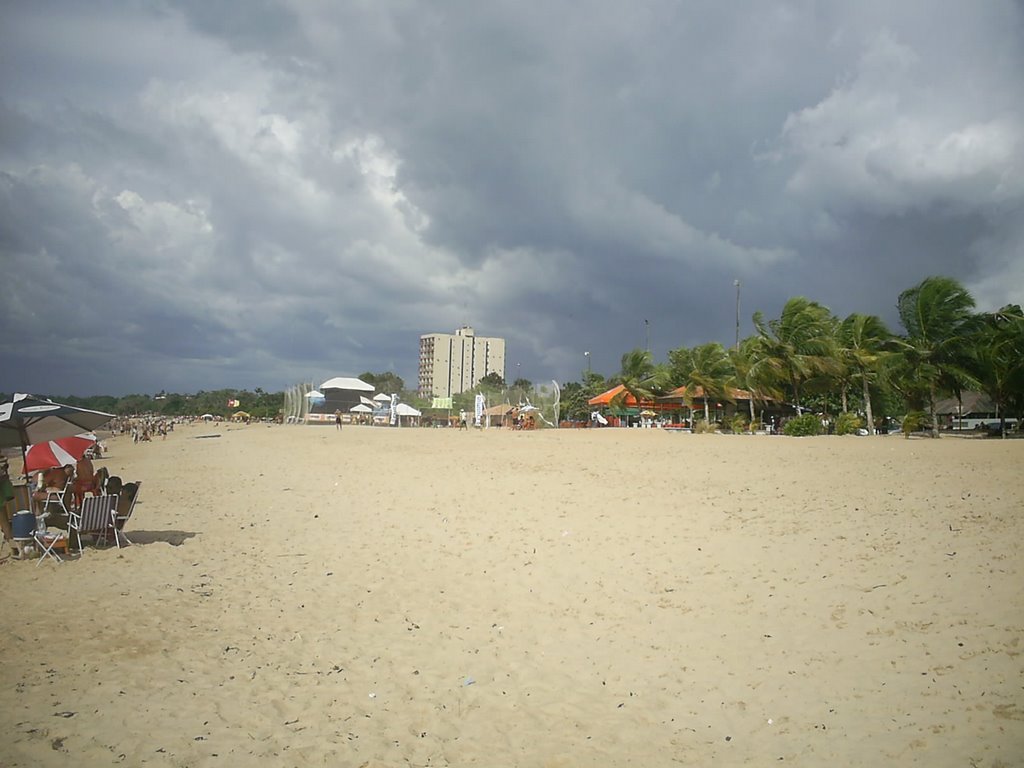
999, 360
639, 377
742, 359
864, 341
794, 348
712, 371
938, 318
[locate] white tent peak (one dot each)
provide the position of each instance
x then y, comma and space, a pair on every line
342, 382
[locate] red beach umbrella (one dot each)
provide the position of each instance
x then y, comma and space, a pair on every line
57, 453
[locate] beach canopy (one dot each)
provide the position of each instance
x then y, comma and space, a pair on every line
361, 408
315, 394
58, 453
406, 410
380, 397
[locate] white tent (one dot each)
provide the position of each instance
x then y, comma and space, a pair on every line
315, 393
380, 397
406, 410
361, 408
342, 382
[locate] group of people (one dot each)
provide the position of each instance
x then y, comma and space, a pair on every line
82, 477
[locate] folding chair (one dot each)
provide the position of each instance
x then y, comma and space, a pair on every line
96, 518
125, 507
57, 496
49, 542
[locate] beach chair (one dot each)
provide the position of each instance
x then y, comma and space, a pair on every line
95, 518
57, 496
125, 506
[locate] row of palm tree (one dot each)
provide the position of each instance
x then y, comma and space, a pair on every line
945, 348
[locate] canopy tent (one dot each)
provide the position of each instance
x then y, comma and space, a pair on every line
605, 398
627, 404
315, 393
380, 397
340, 394
241, 416
361, 408
406, 410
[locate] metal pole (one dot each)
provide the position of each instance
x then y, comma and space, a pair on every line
587, 355
647, 335
737, 284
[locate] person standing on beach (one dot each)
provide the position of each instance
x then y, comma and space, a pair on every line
337, 419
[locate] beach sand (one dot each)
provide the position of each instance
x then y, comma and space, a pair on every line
394, 597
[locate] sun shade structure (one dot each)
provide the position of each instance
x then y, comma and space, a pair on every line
25, 420
605, 398
57, 453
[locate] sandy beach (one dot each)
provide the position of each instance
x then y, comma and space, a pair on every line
413, 597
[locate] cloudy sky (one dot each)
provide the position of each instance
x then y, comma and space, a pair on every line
199, 195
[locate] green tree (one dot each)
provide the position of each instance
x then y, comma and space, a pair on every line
938, 318
794, 348
864, 341
387, 382
999, 361
639, 376
709, 368
742, 359
493, 380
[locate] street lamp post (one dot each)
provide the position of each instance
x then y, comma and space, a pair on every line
736, 284
647, 335
587, 355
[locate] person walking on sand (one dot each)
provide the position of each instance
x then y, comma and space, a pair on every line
337, 419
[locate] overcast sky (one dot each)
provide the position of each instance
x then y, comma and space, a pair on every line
199, 195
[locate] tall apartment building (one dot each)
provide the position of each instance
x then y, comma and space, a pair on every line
451, 363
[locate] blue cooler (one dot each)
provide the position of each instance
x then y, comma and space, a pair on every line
23, 524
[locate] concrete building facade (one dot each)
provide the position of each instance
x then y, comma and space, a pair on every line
451, 363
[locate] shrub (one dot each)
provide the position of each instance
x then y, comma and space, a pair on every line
738, 423
848, 423
914, 421
700, 426
803, 426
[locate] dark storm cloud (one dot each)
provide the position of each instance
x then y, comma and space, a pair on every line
302, 189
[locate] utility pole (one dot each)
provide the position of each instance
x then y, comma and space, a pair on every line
737, 284
647, 335
587, 355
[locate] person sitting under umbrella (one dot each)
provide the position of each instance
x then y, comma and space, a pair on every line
85, 480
